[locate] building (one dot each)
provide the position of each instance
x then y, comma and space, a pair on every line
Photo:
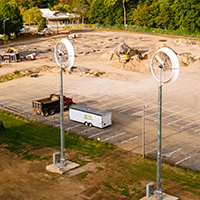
57, 18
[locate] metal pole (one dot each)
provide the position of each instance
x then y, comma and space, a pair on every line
4, 31
61, 121
159, 180
143, 132
143, 137
57, 26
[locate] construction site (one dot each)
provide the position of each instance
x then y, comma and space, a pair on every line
111, 72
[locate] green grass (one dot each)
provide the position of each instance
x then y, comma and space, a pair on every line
121, 176
12, 76
23, 137
83, 175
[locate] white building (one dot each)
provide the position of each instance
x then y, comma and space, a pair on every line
57, 18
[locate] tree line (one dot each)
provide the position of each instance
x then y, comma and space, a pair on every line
180, 15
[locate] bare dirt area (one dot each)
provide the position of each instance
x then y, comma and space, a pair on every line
22, 179
96, 62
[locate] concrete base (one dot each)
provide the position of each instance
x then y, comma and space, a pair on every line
56, 168
165, 197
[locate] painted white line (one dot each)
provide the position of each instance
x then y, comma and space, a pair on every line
187, 90
113, 102
100, 133
113, 136
174, 151
182, 127
147, 109
151, 115
128, 103
141, 105
74, 126
123, 142
126, 109
86, 130
194, 93
133, 138
128, 140
151, 150
170, 114
169, 154
154, 149
196, 130
182, 118
186, 158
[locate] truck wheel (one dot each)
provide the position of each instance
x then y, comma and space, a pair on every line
45, 113
38, 112
85, 123
52, 111
90, 125
68, 106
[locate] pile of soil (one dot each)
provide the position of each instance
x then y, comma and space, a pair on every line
183, 42
142, 64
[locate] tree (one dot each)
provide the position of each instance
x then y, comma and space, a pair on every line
113, 2
15, 23
31, 15
42, 25
80, 7
101, 13
62, 8
165, 17
187, 14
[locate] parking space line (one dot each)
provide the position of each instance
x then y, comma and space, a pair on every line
149, 108
151, 150
129, 139
100, 133
168, 115
188, 157
186, 90
133, 138
140, 105
196, 130
124, 110
182, 118
89, 129
128, 103
182, 127
74, 126
154, 149
194, 93
111, 102
113, 136
169, 154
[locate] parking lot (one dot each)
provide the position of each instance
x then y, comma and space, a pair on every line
125, 99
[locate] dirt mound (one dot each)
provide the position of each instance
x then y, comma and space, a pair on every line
183, 42
142, 65
186, 59
81, 71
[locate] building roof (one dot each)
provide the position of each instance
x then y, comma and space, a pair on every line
57, 15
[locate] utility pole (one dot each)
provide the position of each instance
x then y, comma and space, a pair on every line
143, 132
4, 27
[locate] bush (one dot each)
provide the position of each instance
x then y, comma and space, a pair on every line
42, 25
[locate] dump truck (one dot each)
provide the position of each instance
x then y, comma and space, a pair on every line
90, 116
50, 105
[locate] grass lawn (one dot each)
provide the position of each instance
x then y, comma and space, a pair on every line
125, 173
